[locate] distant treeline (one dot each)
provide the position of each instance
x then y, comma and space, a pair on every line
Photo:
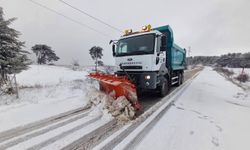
233, 60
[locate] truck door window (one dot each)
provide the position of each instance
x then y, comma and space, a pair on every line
123, 48
158, 44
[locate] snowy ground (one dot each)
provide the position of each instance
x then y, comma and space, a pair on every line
57, 107
44, 91
212, 113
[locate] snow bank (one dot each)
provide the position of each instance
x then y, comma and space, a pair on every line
44, 91
48, 83
120, 108
104, 69
48, 75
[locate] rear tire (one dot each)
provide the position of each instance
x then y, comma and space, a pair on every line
164, 88
180, 78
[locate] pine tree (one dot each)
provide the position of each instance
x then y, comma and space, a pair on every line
44, 54
233, 60
96, 53
13, 59
100, 63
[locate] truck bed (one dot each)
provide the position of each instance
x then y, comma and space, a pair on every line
175, 54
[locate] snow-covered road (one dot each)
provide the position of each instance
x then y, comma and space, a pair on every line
212, 113
209, 112
34, 123
134, 131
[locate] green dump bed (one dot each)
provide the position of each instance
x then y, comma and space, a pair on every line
176, 55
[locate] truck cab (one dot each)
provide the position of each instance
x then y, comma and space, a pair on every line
150, 59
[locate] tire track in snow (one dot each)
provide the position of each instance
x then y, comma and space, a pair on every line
60, 136
11, 133
87, 140
40, 131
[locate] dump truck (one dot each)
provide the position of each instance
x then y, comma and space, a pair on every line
147, 60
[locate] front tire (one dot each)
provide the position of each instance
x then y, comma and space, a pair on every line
164, 88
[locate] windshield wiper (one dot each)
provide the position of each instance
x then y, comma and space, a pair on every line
134, 53
140, 52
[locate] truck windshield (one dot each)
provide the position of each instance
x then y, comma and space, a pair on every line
138, 45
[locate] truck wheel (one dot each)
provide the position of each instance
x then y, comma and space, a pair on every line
182, 78
164, 88
179, 79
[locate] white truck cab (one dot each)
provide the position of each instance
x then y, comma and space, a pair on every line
146, 58
138, 52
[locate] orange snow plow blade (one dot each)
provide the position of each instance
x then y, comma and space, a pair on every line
120, 85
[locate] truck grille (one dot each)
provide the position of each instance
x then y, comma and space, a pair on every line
131, 67
134, 76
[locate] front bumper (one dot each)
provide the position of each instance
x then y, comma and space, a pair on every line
143, 80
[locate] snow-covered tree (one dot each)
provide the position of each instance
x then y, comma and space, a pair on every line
13, 59
96, 53
44, 54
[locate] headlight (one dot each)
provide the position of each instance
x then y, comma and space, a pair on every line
147, 77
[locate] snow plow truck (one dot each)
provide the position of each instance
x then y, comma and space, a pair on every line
147, 60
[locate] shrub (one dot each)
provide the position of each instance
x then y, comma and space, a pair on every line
242, 77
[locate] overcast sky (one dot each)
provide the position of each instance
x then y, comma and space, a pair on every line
209, 27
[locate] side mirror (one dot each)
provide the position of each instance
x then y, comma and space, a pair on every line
163, 43
113, 49
111, 41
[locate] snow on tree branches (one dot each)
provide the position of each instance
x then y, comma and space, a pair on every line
44, 54
13, 59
